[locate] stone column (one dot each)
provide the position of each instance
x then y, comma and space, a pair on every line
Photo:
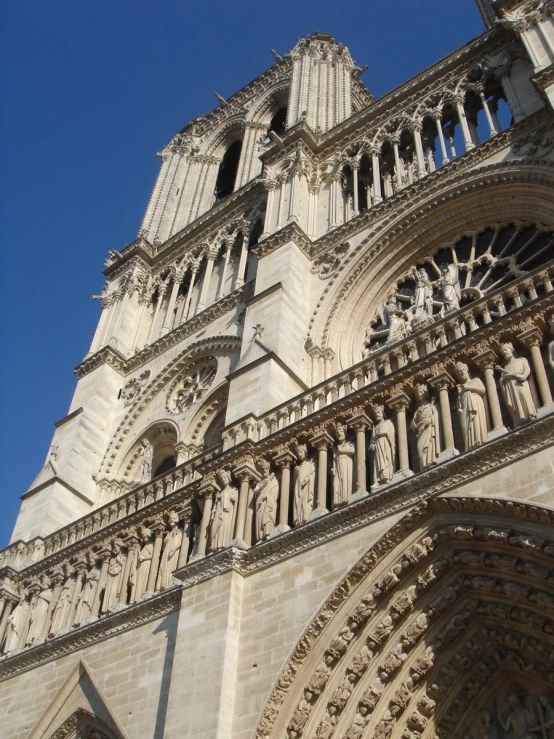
322, 442
377, 194
210, 257
193, 273
169, 317
399, 403
438, 116
159, 531
221, 291
441, 382
271, 187
313, 190
185, 517
360, 423
284, 459
486, 362
485, 105
242, 261
144, 302
6, 611
416, 128
282, 181
532, 339
398, 167
459, 102
161, 295
355, 166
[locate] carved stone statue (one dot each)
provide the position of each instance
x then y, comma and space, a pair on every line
143, 565
471, 407
16, 621
422, 308
357, 727
488, 729
515, 386
328, 724
382, 446
321, 675
450, 288
37, 618
520, 719
302, 713
146, 452
266, 495
170, 552
343, 691
393, 316
425, 423
113, 582
61, 607
343, 467
304, 482
223, 515
86, 599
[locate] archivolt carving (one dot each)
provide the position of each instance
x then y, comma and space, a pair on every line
192, 385
445, 615
216, 344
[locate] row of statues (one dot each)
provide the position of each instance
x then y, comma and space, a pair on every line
77, 600
425, 424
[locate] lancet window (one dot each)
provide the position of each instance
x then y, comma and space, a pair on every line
227, 174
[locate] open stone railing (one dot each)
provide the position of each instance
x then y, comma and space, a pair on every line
471, 381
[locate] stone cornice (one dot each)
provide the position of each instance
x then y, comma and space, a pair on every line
139, 253
544, 79
107, 355
392, 499
132, 616
290, 232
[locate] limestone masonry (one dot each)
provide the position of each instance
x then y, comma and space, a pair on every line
305, 487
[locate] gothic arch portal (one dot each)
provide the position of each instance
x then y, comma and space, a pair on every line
448, 615
495, 194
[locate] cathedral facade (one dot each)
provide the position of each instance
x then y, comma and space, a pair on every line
305, 487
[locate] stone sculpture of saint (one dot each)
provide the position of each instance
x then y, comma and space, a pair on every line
144, 561
357, 727
450, 288
112, 590
302, 713
86, 599
37, 619
328, 724
304, 482
471, 407
266, 495
382, 446
515, 386
393, 316
16, 621
60, 613
520, 719
223, 514
145, 453
425, 424
170, 552
343, 467
423, 298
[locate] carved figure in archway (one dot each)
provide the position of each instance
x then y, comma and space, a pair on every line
16, 621
423, 300
86, 599
520, 719
356, 729
223, 516
425, 423
113, 582
304, 481
394, 317
37, 619
145, 452
449, 285
302, 713
471, 407
328, 724
266, 495
61, 608
170, 552
343, 467
143, 565
515, 386
382, 446
489, 730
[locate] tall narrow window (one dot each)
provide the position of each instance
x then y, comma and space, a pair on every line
279, 122
225, 183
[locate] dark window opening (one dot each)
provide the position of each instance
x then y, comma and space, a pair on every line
168, 464
225, 183
279, 122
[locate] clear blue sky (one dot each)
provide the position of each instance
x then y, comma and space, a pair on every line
90, 91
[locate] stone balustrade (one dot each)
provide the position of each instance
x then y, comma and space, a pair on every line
466, 381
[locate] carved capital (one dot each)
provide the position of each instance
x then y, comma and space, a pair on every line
323, 440
441, 381
486, 360
399, 402
531, 337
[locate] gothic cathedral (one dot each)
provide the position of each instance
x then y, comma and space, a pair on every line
305, 487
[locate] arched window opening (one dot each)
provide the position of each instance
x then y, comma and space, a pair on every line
408, 159
497, 103
454, 138
213, 433
256, 233
225, 183
279, 122
429, 139
365, 180
347, 181
168, 464
473, 108
388, 179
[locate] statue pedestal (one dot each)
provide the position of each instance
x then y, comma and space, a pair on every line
447, 454
278, 530
317, 513
495, 433
359, 495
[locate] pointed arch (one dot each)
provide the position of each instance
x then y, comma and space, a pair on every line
452, 609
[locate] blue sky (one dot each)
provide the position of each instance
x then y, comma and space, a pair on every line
90, 91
